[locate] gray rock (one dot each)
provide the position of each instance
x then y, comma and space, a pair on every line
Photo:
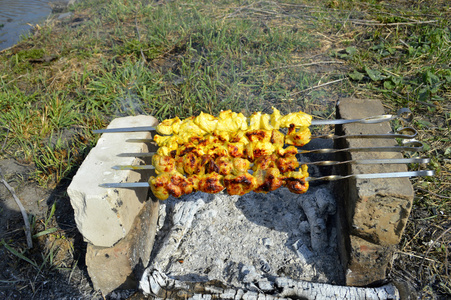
104, 216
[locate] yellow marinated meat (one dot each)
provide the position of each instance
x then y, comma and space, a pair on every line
254, 121
299, 119
163, 163
206, 122
209, 153
210, 183
190, 148
161, 140
216, 149
254, 150
239, 137
172, 183
189, 128
207, 140
275, 118
239, 184
169, 126
298, 138
264, 162
221, 165
165, 151
231, 121
290, 150
235, 149
268, 180
265, 122
288, 163
223, 136
297, 182
240, 165
192, 164
277, 138
259, 135
171, 142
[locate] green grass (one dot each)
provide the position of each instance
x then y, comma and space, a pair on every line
179, 58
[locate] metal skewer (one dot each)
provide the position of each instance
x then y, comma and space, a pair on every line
408, 146
375, 175
402, 133
420, 160
403, 113
328, 178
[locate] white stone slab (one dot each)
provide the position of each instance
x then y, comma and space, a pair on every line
104, 216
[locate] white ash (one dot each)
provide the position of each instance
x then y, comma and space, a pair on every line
249, 241
156, 283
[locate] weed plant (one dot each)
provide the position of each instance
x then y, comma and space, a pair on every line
178, 58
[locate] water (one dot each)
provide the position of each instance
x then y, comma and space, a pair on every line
14, 16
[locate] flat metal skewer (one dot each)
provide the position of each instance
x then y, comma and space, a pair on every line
375, 175
419, 160
403, 133
409, 146
328, 178
403, 113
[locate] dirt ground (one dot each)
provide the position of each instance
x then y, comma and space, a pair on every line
40, 280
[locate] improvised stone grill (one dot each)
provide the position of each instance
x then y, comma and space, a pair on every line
302, 230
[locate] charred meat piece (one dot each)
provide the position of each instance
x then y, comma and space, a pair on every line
240, 165
277, 138
179, 164
287, 163
254, 150
194, 181
192, 164
296, 181
297, 138
163, 163
239, 184
174, 184
221, 165
290, 150
268, 180
210, 183
239, 137
235, 149
216, 150
259, 135
264, 162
